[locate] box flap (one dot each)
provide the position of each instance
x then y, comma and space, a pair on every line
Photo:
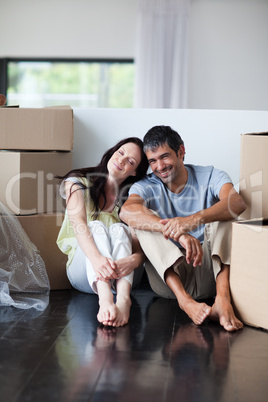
264, 133
255, 222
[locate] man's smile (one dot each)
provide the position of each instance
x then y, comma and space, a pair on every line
165, 172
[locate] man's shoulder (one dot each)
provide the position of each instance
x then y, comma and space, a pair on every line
200, 172
208, 174
203, 170
200, 168
148, 179
150, 183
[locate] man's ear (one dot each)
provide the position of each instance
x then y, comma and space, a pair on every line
181, 151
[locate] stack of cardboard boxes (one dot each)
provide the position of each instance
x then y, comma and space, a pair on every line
249, 256
35, 146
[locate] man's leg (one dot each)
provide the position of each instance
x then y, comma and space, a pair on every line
219, 241
222, 309
164, 256
198, 312
161, 254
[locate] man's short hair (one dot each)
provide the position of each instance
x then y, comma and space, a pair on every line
160, 135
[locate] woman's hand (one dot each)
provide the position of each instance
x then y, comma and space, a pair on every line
104, 268
124, 266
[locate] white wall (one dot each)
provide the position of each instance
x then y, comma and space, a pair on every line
229, 54
68, 28
211, 137
228, 42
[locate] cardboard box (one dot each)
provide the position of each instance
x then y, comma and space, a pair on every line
27, 183
43, 231
249, 271
253, 184
36, 129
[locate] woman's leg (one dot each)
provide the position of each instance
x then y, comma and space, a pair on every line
101, 238
77, 272
121, 242
107, 311
123, 302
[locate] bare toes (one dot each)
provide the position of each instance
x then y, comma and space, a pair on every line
230, 326
198, 312
107, 314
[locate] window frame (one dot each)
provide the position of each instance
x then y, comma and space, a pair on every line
5, 60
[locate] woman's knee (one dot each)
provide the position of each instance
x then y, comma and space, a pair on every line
97, 228
119, 230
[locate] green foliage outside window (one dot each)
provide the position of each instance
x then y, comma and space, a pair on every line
79, 84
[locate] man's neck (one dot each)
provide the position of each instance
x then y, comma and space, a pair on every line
178, 184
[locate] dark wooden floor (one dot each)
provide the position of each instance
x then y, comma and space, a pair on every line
63, 354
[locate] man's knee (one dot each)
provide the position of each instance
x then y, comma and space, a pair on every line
157, 284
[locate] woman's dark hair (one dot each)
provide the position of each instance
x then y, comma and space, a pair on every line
98, 175
160, 135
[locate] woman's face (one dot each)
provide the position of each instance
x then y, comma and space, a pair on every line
124, 162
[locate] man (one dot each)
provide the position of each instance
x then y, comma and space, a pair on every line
182, 216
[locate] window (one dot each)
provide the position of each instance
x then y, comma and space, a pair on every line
79, 83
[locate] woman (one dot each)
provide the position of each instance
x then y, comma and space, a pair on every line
102, 253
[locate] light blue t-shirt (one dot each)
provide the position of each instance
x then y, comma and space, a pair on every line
200, 192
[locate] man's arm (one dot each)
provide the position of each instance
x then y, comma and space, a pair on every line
228, 208
135, 214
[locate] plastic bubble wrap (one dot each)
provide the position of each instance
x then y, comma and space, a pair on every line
23, 278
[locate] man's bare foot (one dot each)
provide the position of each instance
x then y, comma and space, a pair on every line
222, 311
107, 313
123, 310
198, 312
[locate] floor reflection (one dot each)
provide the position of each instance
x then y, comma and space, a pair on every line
64, 354
102, 352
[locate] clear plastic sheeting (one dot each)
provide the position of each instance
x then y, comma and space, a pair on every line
24, 282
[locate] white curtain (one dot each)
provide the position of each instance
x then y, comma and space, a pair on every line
162, 54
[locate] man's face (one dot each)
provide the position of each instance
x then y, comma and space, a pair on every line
165, 163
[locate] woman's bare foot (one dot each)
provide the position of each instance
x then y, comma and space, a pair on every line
123, 302
106, 336
107, 313
108, 310
222, 311
123, 309
198, 312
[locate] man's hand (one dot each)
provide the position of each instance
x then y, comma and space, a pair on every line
175, 227
193, 248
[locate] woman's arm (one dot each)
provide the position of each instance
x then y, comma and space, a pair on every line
103, 266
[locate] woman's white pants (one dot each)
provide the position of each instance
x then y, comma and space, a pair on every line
114, 242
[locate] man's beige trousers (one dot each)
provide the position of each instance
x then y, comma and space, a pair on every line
199, 282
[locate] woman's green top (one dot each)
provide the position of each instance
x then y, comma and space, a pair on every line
66, 240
